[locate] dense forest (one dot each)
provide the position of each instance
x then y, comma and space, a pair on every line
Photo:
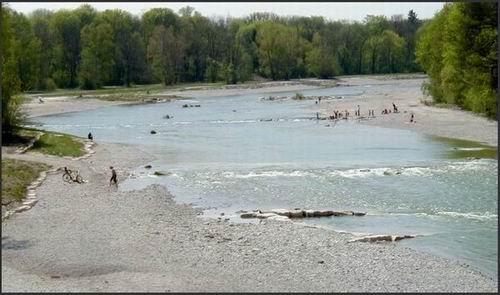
88, 49
458, 49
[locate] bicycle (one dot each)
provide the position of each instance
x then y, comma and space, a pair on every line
70, 175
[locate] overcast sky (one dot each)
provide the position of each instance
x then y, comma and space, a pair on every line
333, 11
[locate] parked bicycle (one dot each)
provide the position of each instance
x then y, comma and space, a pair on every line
71, 176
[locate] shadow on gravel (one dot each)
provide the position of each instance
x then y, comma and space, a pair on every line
78, 271
8, 244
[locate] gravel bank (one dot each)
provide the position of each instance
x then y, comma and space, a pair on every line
92, 237
407, 95
64, 104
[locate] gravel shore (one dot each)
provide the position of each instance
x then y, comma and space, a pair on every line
93, 237
408, 97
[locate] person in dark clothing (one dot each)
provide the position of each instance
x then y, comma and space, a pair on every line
395, 108
90, 137
113, 179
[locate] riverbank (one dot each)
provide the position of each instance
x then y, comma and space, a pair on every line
405, 92
408, 97
71, 102
93, 237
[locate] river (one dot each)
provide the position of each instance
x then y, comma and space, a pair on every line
242, 153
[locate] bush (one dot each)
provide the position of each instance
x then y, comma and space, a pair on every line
50, 85
299, 96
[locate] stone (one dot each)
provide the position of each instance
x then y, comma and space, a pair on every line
153, 132
325, 213
248, 215
22, 208
382, 238
296, 214
30, 203
148, 166
343, 213
279, 218
359, 213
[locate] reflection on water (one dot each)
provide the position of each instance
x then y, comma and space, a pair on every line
239, 152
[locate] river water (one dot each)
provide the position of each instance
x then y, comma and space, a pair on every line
241, 153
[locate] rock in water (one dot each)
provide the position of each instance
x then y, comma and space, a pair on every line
343, 213
382, 238
153, 132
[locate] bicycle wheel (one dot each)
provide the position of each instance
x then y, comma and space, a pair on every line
79, 179
66, 177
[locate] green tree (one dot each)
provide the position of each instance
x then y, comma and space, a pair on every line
280, 50
321, 60
165, 52
458, 49
10, 81
26, 49
156, 17
66, 28
40, 21
97, 56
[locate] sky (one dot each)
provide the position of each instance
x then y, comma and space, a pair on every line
331, 11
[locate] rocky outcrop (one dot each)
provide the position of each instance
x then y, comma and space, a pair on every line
297, 213
382, 238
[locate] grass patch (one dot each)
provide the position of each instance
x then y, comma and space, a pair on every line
16, 176
58, 144
51, 143
461, 148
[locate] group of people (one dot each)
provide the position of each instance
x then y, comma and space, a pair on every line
388, 111
339, 115
371, 113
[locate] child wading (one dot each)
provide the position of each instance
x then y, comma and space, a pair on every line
113, 179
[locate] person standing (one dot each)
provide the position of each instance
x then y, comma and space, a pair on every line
412, 118
113, 179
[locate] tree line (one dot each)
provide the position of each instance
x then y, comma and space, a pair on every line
459, 51
89, 49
